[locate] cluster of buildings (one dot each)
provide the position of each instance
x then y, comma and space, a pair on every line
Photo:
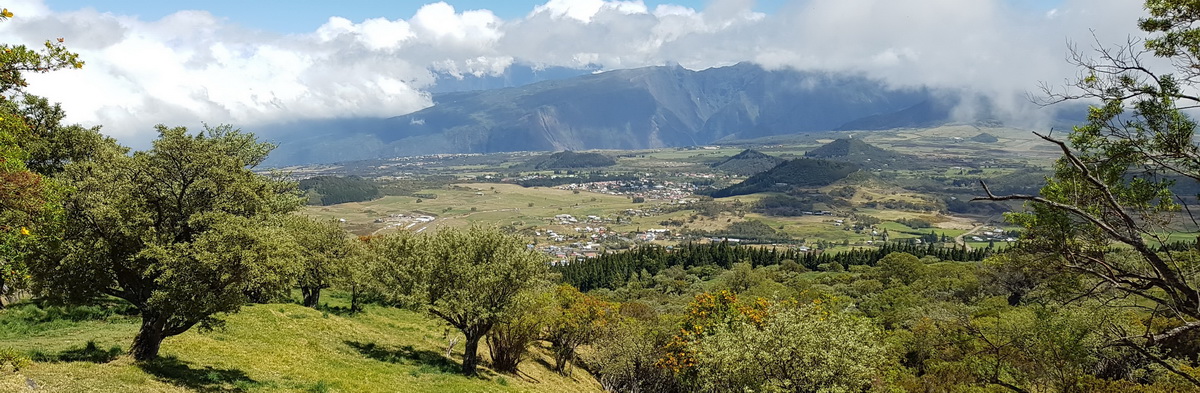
589, 237
993, 234
404, 221
562, 255
660, 190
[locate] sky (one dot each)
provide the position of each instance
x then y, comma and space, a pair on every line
270, 61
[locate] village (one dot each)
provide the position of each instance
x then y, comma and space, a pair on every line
589, 236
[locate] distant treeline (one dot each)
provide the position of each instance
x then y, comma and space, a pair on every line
613, 270
783, 205
588, 178
332, 190
752, 231
570, 160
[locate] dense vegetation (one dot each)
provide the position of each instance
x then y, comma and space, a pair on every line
748, 162
332, 190
801, 172
558, 180
984, 137
570, 160
614, 270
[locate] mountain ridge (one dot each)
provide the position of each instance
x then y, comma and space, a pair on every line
649, 107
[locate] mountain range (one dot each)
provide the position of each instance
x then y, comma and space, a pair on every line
650, 107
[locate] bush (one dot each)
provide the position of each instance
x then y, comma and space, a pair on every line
509, 341
11, 358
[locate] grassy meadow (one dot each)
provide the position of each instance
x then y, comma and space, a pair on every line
263, 348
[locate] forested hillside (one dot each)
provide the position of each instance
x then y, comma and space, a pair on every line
332, 190
570, 160
747, 163
800, 172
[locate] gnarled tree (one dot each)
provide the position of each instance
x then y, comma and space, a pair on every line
182, 231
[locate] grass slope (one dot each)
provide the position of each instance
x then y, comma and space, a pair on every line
272, 348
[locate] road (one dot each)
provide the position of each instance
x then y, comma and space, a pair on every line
959, 239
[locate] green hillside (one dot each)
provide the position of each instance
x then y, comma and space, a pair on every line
570, 160
748, 162
264, 348
801, 172
865, 154
332, 190
985, 138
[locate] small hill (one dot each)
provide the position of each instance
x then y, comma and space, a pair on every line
985, 138
801, 172
263, 348
570, 160
748, 162
848, 147
862, 153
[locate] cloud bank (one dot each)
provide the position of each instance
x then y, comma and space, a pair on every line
192, 66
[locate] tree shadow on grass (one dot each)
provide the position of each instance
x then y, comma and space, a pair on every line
207, 379
88, 353
426, 359
338, 310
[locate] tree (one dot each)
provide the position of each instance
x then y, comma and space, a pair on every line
182, 231
902, 267
1113, 182
469, 278
17, 60
50, 144
325, 251
509, 340
741, 277
797, 348
577, 319
28, 199
623, 359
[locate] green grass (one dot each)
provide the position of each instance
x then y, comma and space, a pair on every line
270, 348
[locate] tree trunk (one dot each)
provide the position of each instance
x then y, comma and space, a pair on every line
471, 354
148, 340
354, 306
312, 296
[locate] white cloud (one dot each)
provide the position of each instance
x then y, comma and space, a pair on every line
192, 66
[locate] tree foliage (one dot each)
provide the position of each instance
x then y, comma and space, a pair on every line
576, 319
1112, 184
795, 348
331, 190
469, 278
181, 231
325, 255
31, 144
